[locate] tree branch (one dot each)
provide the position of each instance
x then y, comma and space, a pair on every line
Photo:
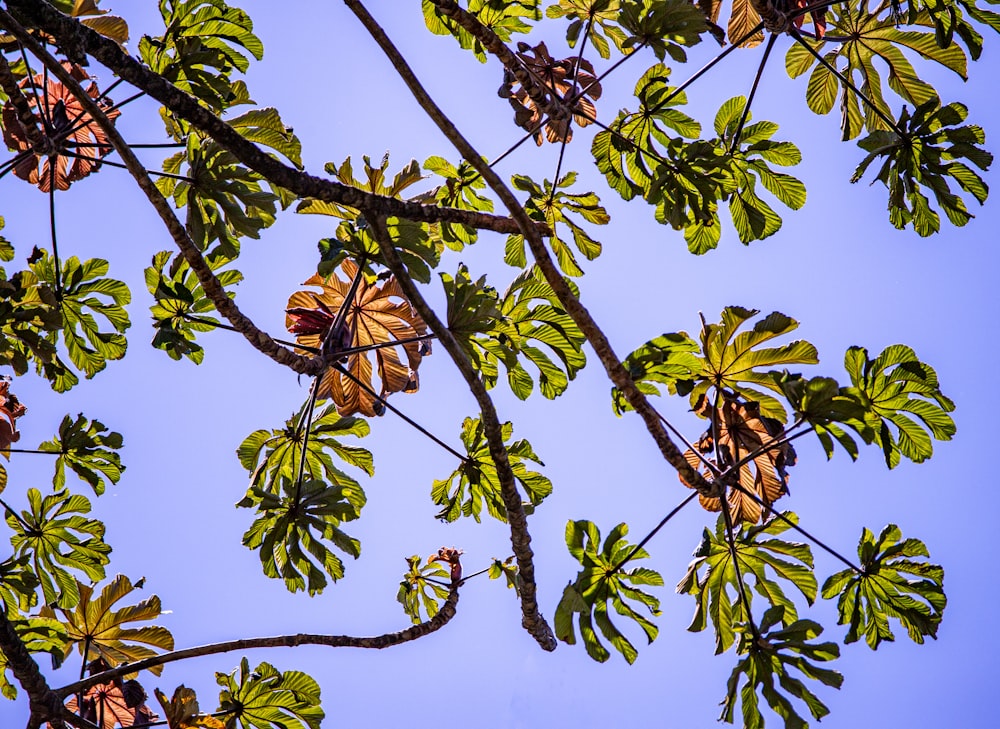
520, 539
213, 288
78, 40
386, 640
45, 704
38, 140
527, 227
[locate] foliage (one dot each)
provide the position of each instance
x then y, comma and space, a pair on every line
422, 588
88, 449
267, 698
867, 599
602, 581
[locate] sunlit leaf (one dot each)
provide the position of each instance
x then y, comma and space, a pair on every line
423, 588
267, 698
87, 448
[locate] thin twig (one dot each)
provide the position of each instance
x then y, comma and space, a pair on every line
753, 92
645, 540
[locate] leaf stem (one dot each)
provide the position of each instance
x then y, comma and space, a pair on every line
645, 540
753, 92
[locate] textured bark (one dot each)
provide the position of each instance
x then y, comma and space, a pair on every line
598, 340
44, 703
386, 640
78, 40
210, 283
520, 539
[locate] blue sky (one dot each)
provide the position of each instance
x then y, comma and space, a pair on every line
837, 266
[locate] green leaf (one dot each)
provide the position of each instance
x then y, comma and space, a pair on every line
758, 556
55, 536
822, 403
550, 204
459, 191
924, 156
665, 360
88, 449
602, 15
475, 482
665, 26
267, 698
774, 654
181, 309
292, 528
423, 588
603, 581
38, 635
503, 18
99, 632
890, 585
902, 401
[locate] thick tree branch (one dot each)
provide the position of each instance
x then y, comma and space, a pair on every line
78, 40
45, 704
386, 640
214, 290
520, 539
29, 122
602, 347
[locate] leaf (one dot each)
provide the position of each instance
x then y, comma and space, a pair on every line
666, 26
665, 360
760, 556
182, 710
422, 588
822, 403
98, 630
870, 34
86, 294
890, 585
10, 410
292, 530
38, 634
204, 43
773, 655
459, 191
739, 438
267, 698
603, 16
603, 581
902, 402
548, 203
88, 449
503, 18
743, 20
271, 456
509, 570
377, 314
925, 156
54, 105
112, 704
55, 536
475, 482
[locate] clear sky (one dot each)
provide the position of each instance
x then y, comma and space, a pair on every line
837, 266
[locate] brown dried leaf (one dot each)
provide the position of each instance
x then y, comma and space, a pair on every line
68, 127
104, 705
10, 410
379, 313
564, 79
742, 431
742, 21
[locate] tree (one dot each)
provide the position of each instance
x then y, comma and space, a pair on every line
740, 373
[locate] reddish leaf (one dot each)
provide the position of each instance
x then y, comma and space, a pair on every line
378, 313
10, 410
67, 126
452, 557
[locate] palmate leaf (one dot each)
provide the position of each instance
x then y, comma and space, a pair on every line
39, 635
774, 654
599, 584
181, 310
759, 555
740, 438
87, 448
459, 191
292, 530
56, 538
97, 628
112, 704
925, 156
734, 360
204, 43
553, 205
903, 404
667, 360
528, 323
748, 160
181, 711
824, 404
871, 35
86, 296
602, 15
422, 588
225, 200
475, 482
271, 456
18, 585
507, 569
267, 698
29, 319
376, 181
503, 18
378, 314
666, 26
885, 589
